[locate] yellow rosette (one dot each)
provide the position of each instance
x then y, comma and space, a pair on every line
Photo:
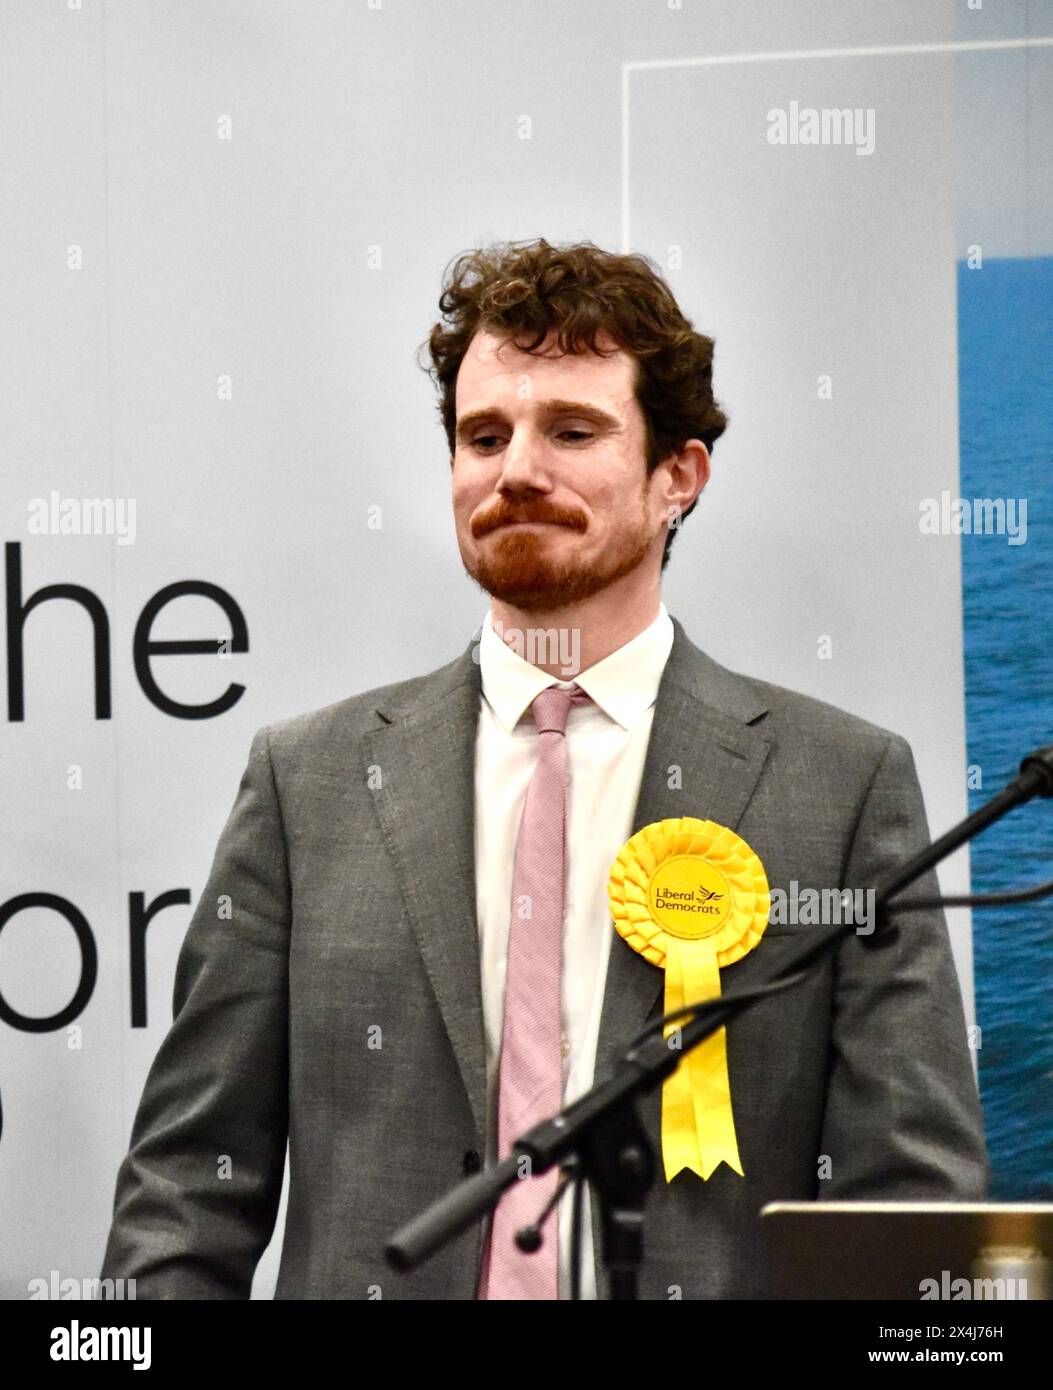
691, 896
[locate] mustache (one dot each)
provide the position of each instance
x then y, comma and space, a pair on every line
503, 515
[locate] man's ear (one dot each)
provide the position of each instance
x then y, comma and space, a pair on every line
689, 466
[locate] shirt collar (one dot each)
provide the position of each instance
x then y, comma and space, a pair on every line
624, 684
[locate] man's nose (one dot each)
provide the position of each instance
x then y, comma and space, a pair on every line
523, 463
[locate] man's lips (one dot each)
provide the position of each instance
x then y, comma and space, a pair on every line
492, 528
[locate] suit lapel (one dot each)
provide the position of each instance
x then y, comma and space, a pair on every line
425, 754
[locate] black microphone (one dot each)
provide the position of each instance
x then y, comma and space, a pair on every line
1036, 771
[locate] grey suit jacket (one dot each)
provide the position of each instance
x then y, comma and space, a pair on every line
337, 1005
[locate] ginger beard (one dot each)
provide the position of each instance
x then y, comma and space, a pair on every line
536, 568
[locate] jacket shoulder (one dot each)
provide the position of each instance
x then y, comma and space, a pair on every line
787, 718
825, 729
319, 728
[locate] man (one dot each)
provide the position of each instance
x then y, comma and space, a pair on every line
411, 973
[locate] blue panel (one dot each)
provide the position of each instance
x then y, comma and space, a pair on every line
1005, 328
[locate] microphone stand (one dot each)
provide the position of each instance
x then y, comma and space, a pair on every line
603, 1130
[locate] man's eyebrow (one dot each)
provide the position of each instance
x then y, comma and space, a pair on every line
550, 408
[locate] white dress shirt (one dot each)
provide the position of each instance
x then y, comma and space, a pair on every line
606, 747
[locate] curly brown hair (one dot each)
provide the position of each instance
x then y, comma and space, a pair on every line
525, 290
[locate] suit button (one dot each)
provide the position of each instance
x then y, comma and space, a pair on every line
471, 1163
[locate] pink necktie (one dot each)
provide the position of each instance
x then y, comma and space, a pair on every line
531, 1067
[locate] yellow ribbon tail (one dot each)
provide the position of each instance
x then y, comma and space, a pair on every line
679, 1139
698, 1127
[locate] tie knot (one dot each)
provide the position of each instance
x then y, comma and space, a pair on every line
552, 706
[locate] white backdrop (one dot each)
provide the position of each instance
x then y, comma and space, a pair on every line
224, 229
